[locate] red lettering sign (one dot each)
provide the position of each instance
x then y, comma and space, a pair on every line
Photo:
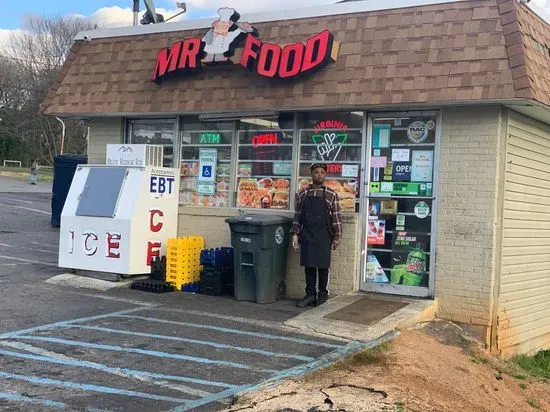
153, 250
112, 245
264, 139
330, 124
334, 168
155, 227
182, 57
267, 59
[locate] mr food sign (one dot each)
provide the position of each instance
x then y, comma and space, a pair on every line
266, 59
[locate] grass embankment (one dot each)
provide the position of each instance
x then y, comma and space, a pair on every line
44, 175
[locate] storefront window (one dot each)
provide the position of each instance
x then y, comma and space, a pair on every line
264, 166
334, 138
155, 132
398, 233
211, 141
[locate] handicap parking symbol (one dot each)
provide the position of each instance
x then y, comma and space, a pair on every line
207, 171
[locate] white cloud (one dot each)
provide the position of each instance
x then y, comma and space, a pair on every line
5, 35
247, 6
119, 17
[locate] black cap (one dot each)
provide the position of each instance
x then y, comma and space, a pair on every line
316, 165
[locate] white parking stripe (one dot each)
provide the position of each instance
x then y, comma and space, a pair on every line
26, 208
29, 261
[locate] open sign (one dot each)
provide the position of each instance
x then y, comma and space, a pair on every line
401, 172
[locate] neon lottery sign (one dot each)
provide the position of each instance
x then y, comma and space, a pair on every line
330, 136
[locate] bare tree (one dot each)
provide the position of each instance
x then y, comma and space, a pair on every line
38, 52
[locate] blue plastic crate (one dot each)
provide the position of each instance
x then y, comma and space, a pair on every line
216, 258
190, 287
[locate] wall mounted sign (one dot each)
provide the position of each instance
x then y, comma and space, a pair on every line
207, 171
266, 59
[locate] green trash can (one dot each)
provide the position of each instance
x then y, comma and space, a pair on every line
260, 245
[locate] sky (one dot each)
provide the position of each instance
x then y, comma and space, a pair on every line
117, 13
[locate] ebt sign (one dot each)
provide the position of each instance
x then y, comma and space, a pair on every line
266, 59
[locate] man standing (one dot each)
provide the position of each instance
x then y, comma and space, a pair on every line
318, 223
34, 172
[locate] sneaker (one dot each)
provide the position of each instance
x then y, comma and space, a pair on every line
308, 300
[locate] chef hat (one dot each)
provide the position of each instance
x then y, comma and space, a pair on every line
226, 13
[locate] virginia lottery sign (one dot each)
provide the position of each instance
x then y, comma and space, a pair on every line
266, 59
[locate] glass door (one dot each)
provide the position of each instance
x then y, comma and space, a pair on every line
399, 217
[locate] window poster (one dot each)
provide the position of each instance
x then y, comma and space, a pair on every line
374, 271
264, 193
400, 155
422, 165
374, 209
381, 136
409, 258
388, 207
376, 232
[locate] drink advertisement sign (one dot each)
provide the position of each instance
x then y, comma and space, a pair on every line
409, 259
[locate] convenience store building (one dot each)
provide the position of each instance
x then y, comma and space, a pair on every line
433, 118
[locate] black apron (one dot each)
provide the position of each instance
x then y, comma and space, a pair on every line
316, 233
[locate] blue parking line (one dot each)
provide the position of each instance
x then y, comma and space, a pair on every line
20, 398
235, 331
297, 371
17, 333
199, 342
145, 352
88, 387
107, 369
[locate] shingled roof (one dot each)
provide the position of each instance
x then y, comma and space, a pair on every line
464, 51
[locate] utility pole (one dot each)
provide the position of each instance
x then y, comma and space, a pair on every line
136, 12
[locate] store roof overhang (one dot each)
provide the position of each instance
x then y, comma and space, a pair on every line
527, 107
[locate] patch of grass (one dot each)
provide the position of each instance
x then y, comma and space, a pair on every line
372, 356
534, 404
523, 386
479, 359
44, 175
399, 406
537, 365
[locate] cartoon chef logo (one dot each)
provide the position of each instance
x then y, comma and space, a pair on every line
224, 36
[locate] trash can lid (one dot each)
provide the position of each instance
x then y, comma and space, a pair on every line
258, 220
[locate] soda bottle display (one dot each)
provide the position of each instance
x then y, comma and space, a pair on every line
416, 262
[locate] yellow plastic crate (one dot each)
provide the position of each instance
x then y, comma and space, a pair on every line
183, 260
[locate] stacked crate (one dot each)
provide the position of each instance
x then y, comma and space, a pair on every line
217, 273
183, 265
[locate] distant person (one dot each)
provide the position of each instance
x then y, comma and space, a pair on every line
317, 229
34, 172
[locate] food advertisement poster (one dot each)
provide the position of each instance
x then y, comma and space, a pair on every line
264, 193
409, 259
422, 165
376, 234
345, 189
374, 271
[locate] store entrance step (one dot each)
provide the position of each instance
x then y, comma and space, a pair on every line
364, 316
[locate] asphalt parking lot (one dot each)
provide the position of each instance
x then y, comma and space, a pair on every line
67, 348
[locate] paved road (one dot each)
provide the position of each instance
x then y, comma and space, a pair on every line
79, 349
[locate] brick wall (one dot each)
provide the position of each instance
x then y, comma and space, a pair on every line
466, 248
103, 131
210, 223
